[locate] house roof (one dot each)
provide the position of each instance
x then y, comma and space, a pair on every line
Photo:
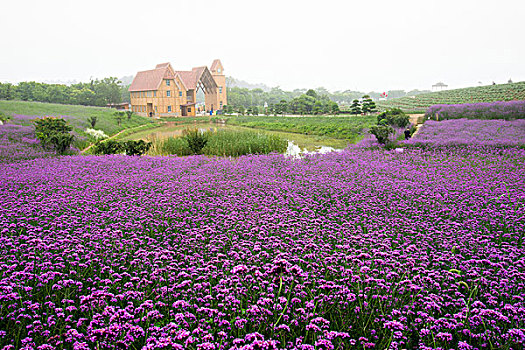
151, 79
191, 78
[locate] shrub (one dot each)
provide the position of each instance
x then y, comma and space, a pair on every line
393, 117
108, 147
382, 133
92, 121
53, 133
196, 140
136, 148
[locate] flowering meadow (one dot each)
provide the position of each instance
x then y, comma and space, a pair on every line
488, 110
18, 141
360, 249
467, 132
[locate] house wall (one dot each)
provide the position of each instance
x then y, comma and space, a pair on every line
160, 100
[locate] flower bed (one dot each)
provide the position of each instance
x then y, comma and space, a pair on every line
494, 110
361, 249
470, 133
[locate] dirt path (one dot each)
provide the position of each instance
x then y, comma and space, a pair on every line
414, 120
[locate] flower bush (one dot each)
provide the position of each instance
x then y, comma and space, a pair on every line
358, 249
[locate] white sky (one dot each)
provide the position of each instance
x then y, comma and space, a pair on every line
365, 45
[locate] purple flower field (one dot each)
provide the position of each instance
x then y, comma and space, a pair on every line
18, 142
470, 132
362, 249
508, 110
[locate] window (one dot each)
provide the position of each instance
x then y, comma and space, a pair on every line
220, 90
189, 109
219, 70
221, 104
148, 94
168, 93
143, 94
154, 93
180, 93
155, 109
167, 82
169, 109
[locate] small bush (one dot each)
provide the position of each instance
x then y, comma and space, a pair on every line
54, 133
382, 133
136, 148
108, 147
92, 121
196, 139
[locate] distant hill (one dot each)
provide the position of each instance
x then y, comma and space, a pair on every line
126, 80
489, 93
232, 82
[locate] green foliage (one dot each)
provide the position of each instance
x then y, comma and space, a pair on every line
129, 114
136, 148
94, 93
393, 117
368, 105
54, 133
108, 147
347, 128
382, 133
195, 139
355, 108
172, 145
225, 143
4, 117
92, 121
119, 116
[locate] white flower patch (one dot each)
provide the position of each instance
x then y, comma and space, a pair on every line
97, 134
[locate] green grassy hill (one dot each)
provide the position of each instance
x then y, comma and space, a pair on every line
77, 116
490, 93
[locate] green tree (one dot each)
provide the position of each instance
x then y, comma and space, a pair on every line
355, 108
334, 108
119, 116
368, 105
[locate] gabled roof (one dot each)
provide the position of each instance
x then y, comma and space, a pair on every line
151, 79
191, 78
148, 80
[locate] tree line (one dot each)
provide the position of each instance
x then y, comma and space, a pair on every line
95, 93
250, 98
309, 103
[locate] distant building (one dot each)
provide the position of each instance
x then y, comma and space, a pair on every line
164, 92
120, 106
439, 86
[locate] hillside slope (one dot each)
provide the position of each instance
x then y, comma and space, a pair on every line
490, 93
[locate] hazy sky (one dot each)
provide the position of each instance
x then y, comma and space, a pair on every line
365, 45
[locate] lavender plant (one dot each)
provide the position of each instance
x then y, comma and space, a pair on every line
360, 249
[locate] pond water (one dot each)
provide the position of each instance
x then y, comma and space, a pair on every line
298, 144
